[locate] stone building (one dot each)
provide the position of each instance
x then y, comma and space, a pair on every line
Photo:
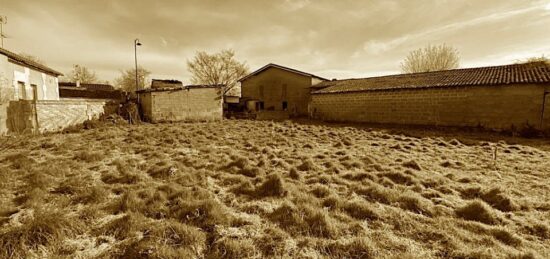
175, 102
278, 89
499, 97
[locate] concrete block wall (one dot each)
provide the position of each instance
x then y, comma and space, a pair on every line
48, 116
56, 115
493, 107
194, 104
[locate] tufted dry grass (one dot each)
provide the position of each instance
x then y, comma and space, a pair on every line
256, 189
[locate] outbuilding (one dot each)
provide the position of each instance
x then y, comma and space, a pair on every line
278, 89
497, 97
175, 102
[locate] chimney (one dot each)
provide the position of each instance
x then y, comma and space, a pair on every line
77, 83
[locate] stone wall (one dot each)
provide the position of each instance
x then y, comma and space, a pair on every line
194, 104
47, 116
493, 107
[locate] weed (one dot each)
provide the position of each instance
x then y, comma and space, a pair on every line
477, 210
273, 186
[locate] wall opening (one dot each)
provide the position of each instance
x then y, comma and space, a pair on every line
285, 105
21, 90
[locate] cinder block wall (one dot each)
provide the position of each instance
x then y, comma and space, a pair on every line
195, 104
56, 115
494, 107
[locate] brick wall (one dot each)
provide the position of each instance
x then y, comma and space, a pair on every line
47, 116
194, 104
494, 107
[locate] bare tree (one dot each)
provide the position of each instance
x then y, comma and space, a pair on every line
82, 74
127, 80
542, 58
32, 58
217, 69
431, 58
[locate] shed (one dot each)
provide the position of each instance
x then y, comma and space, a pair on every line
181, 103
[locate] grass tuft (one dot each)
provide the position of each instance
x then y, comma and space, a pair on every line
479, 211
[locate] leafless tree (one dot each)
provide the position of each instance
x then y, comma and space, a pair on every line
217, 69
127, 80
82, 74
431, 58
542, 58
32, 58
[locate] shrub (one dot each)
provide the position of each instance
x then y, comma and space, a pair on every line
304, 220
294, 174
320, 191
412, 165
272, 242
477, 210
505, 236
360, 210
88, 156
399, 178
162, 171
168, 239
498, 200
201, 213
122, 227
20, 161
273, 186
357, 247
233, 248
47, 227
307, 165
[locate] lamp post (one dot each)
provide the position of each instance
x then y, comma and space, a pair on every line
136, 44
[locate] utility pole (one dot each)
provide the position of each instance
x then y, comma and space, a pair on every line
3, 20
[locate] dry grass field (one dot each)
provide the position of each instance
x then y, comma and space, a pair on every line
251, 189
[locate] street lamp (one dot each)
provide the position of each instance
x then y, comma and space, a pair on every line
136, 44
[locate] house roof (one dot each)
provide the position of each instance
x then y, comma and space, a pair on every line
18, 59
528, 73
88, 86
270, 65
176, 88
163, 83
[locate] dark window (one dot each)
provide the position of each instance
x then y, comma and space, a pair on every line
22, 90
34, 92
285, 105
261, 91
259, 106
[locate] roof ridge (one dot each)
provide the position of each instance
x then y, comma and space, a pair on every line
281, 67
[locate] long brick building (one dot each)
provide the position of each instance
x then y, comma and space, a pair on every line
498, 97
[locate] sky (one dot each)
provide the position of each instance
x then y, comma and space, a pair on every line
332, 39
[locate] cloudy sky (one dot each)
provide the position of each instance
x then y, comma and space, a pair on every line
333, 39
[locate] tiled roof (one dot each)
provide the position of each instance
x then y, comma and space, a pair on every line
162, 83
528, 73
176, 88
87, 86
16, 58
279, 67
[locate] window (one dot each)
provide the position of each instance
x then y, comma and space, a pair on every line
285, 105
34, 92
21, 90
259, 106
261, 92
